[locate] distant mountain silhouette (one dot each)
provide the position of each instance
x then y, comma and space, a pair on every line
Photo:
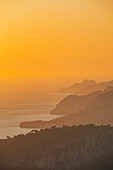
99, 111
74, 103
78, 86
86, 87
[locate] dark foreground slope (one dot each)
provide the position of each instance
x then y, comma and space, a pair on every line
68, 148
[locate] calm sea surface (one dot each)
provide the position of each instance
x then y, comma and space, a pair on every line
25, 108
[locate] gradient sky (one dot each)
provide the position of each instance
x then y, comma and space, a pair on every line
56, 38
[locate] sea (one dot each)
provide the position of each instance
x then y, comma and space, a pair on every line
15, 110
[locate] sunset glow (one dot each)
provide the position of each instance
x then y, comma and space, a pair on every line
56, 38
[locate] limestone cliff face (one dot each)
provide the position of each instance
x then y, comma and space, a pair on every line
58, 148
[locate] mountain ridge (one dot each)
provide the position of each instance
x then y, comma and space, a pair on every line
84, 88
100, 111
74, 103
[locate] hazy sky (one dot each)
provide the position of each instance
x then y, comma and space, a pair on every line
56, 38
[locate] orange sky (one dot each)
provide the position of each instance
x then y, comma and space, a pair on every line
56, 38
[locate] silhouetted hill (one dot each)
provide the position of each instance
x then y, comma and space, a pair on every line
78, 86
109, 88
86, 87
81, 147
74, 103
99, 111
